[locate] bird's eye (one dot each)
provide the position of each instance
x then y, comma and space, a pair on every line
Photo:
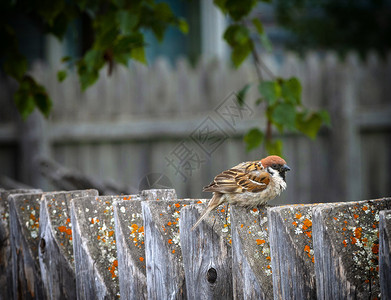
274, 166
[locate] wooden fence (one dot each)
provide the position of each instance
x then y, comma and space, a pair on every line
131, 128
76, 244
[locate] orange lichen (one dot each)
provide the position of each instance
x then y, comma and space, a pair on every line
294, 223
241, 225
268, 258
255, 209
199, 202
345, 244
177, 205
355, 216
357, 232
68, 220
260, 242
354, 240
335, 218
307, 248
307, 223
223, 210
111, 233
365, 208
141, 258
169, 223
298, 216
308, 233
170, 241
375, 248
68, 231
62, 228
173, 251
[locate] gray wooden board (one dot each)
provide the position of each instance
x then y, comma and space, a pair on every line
163, 255
251, 258
56, 246
24, 238
129, 231
94, 247
385, 253
158, 194
207, 253
346, 246
290, 237
5, 249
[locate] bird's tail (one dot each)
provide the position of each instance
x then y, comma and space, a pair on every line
213, 203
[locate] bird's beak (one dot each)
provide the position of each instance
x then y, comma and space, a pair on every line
285, 168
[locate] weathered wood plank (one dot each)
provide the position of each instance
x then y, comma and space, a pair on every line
251, 258
5, 248
163, 255
94, 247
24, 238
346, 246
207, 253
292, 254
129, 231
55, 245
385, 253
158, 194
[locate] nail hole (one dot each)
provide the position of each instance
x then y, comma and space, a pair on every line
211, 275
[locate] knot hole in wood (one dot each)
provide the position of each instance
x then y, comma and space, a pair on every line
211, 275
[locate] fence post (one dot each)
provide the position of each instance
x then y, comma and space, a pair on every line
94, 247
55, 244
24, 237
346, 246
385, 253
290, 236
129, 231
251, 260
163, 255
207, 255
5, 248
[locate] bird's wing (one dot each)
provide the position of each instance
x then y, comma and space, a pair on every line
241, 180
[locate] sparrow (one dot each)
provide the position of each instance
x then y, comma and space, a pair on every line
247, 184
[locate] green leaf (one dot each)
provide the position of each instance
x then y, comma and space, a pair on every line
183, 26
236, 35
61, 75
240, 53
253, 138
241, 95
258, 25
270, 90
24, 99
43, 102
284, 114
93, 60
139, 54
325, 117
309, 124
127, 21
66, 59
239, 9
291, 91
274, 148
15, 65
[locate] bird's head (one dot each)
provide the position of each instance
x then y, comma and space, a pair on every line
275, 163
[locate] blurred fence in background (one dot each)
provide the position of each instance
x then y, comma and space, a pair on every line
179, 126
